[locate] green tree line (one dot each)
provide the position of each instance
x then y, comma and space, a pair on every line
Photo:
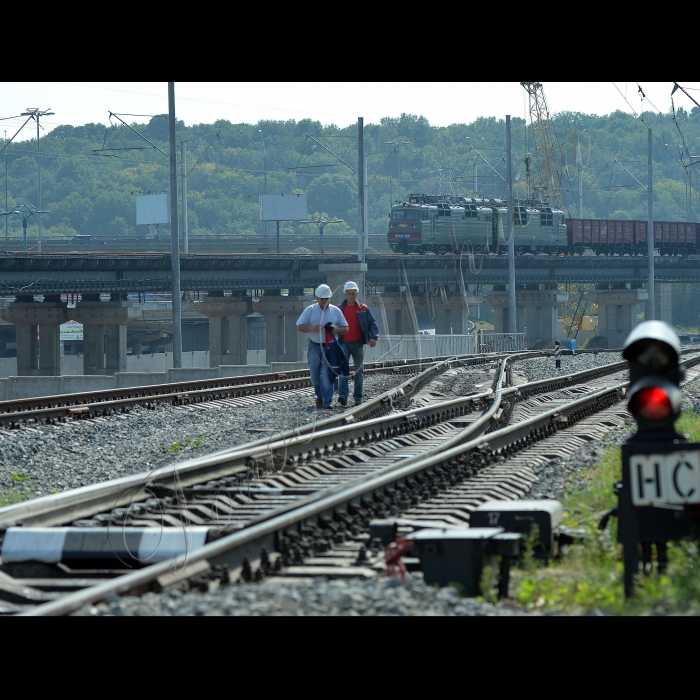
90, 175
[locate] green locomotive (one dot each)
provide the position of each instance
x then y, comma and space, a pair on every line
450, 224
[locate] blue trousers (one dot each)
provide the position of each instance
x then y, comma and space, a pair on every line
322, 378
355, 350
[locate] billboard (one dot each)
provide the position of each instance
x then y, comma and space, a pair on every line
72, 331
283, 207
152, 209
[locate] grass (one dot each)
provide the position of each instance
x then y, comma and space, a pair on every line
589, 576
11, 496
177, 445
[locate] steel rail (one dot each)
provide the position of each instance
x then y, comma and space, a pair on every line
60, 407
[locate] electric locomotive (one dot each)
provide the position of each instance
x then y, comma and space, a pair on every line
445, 223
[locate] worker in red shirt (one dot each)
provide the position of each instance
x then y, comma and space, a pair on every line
362, 330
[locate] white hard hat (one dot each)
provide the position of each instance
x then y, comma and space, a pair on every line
323, 291
350, 285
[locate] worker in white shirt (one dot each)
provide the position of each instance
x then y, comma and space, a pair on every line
312, 321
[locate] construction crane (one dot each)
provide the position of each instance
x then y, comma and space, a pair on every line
543, 133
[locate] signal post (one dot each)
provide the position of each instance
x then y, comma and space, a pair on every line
659, 493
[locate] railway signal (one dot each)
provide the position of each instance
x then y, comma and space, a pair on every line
654, 397
660, 486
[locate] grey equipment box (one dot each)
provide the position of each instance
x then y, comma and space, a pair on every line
456, 555
519, 516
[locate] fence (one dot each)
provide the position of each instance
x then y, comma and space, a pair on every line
410, 347
500, 342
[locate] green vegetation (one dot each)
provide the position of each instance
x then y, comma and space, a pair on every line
590, 574
11, 496
90, 191
18, 477
595, 341
177, 445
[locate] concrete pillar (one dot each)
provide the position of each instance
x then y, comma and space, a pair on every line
337, 274
393, 313
662, 294
27, 350
283, 343
228, 333
537, 314
115, 347
93, 348
48, 316
452, 317
617, 312
104, 333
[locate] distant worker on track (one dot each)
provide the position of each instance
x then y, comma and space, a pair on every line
362, 330
313, 321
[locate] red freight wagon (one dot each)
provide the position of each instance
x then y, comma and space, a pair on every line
603, 232
595, 232
587, 232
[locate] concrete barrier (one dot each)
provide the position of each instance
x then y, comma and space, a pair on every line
3, 389
186, 374
28, 387
287, 366
80, 383
126, 379
242, 370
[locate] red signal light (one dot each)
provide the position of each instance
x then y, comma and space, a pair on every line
651, 403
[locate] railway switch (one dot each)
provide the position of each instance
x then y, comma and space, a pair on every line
520, 516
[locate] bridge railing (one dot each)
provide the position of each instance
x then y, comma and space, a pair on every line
413, 347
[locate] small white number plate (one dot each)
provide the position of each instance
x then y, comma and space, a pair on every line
665, 479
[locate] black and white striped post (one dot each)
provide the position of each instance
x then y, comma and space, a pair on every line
557, 353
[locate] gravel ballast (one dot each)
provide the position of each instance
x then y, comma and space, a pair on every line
50, 458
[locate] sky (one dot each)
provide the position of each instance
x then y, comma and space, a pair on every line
329, 103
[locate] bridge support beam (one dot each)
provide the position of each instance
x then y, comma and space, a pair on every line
283, 343
104, 333
617, 312
45, 317
537, 314
228, 332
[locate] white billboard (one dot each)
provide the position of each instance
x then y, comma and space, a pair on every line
72, 331
152, 209
283, 207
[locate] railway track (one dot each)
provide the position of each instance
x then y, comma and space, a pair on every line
303, 502
237, 492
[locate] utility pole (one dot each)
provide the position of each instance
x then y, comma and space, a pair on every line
6, 221
36, 114
175, 238
398, 145
475, 179
651, 302
512, 315
579, 168
360, 190
183, 173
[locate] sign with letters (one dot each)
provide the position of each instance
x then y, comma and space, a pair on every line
668, 479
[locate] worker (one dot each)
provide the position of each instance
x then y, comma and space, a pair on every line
362, 330
312, 321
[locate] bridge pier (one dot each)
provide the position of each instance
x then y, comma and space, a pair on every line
46, 317
228, 332
104, 332
283, 343
337, 274
617, 311
662, 299
392, 311
537, 313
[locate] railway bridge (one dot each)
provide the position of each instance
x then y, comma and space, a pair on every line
227, 288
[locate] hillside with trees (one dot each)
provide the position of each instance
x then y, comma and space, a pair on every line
91, 175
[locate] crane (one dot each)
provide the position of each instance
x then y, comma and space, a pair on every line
543, 133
